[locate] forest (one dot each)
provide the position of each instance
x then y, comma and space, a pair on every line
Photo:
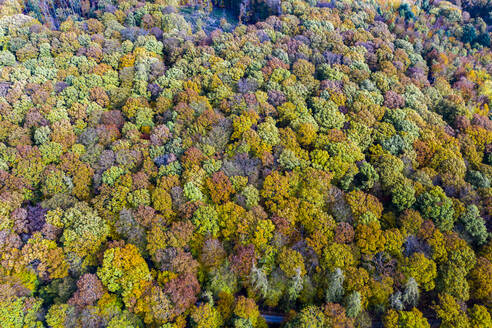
245, 163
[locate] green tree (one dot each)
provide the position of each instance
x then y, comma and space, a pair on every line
205, 220
309, 317
124, 271
403, 195
84, 230
353, 304
435, 205
334, 291
20, 312
479, 316
192, 192
474, 224
367, 176
405, 319
452, 280
450, 313
422, 269
206, 316
327, 115
337, 256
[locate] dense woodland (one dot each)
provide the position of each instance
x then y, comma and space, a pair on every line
329, 161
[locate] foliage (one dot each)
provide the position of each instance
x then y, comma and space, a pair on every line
84, 230
413, 318
435, 205
420, 268
334, 292
353, 304
474, 224
124, 271
449, 311
197, 163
